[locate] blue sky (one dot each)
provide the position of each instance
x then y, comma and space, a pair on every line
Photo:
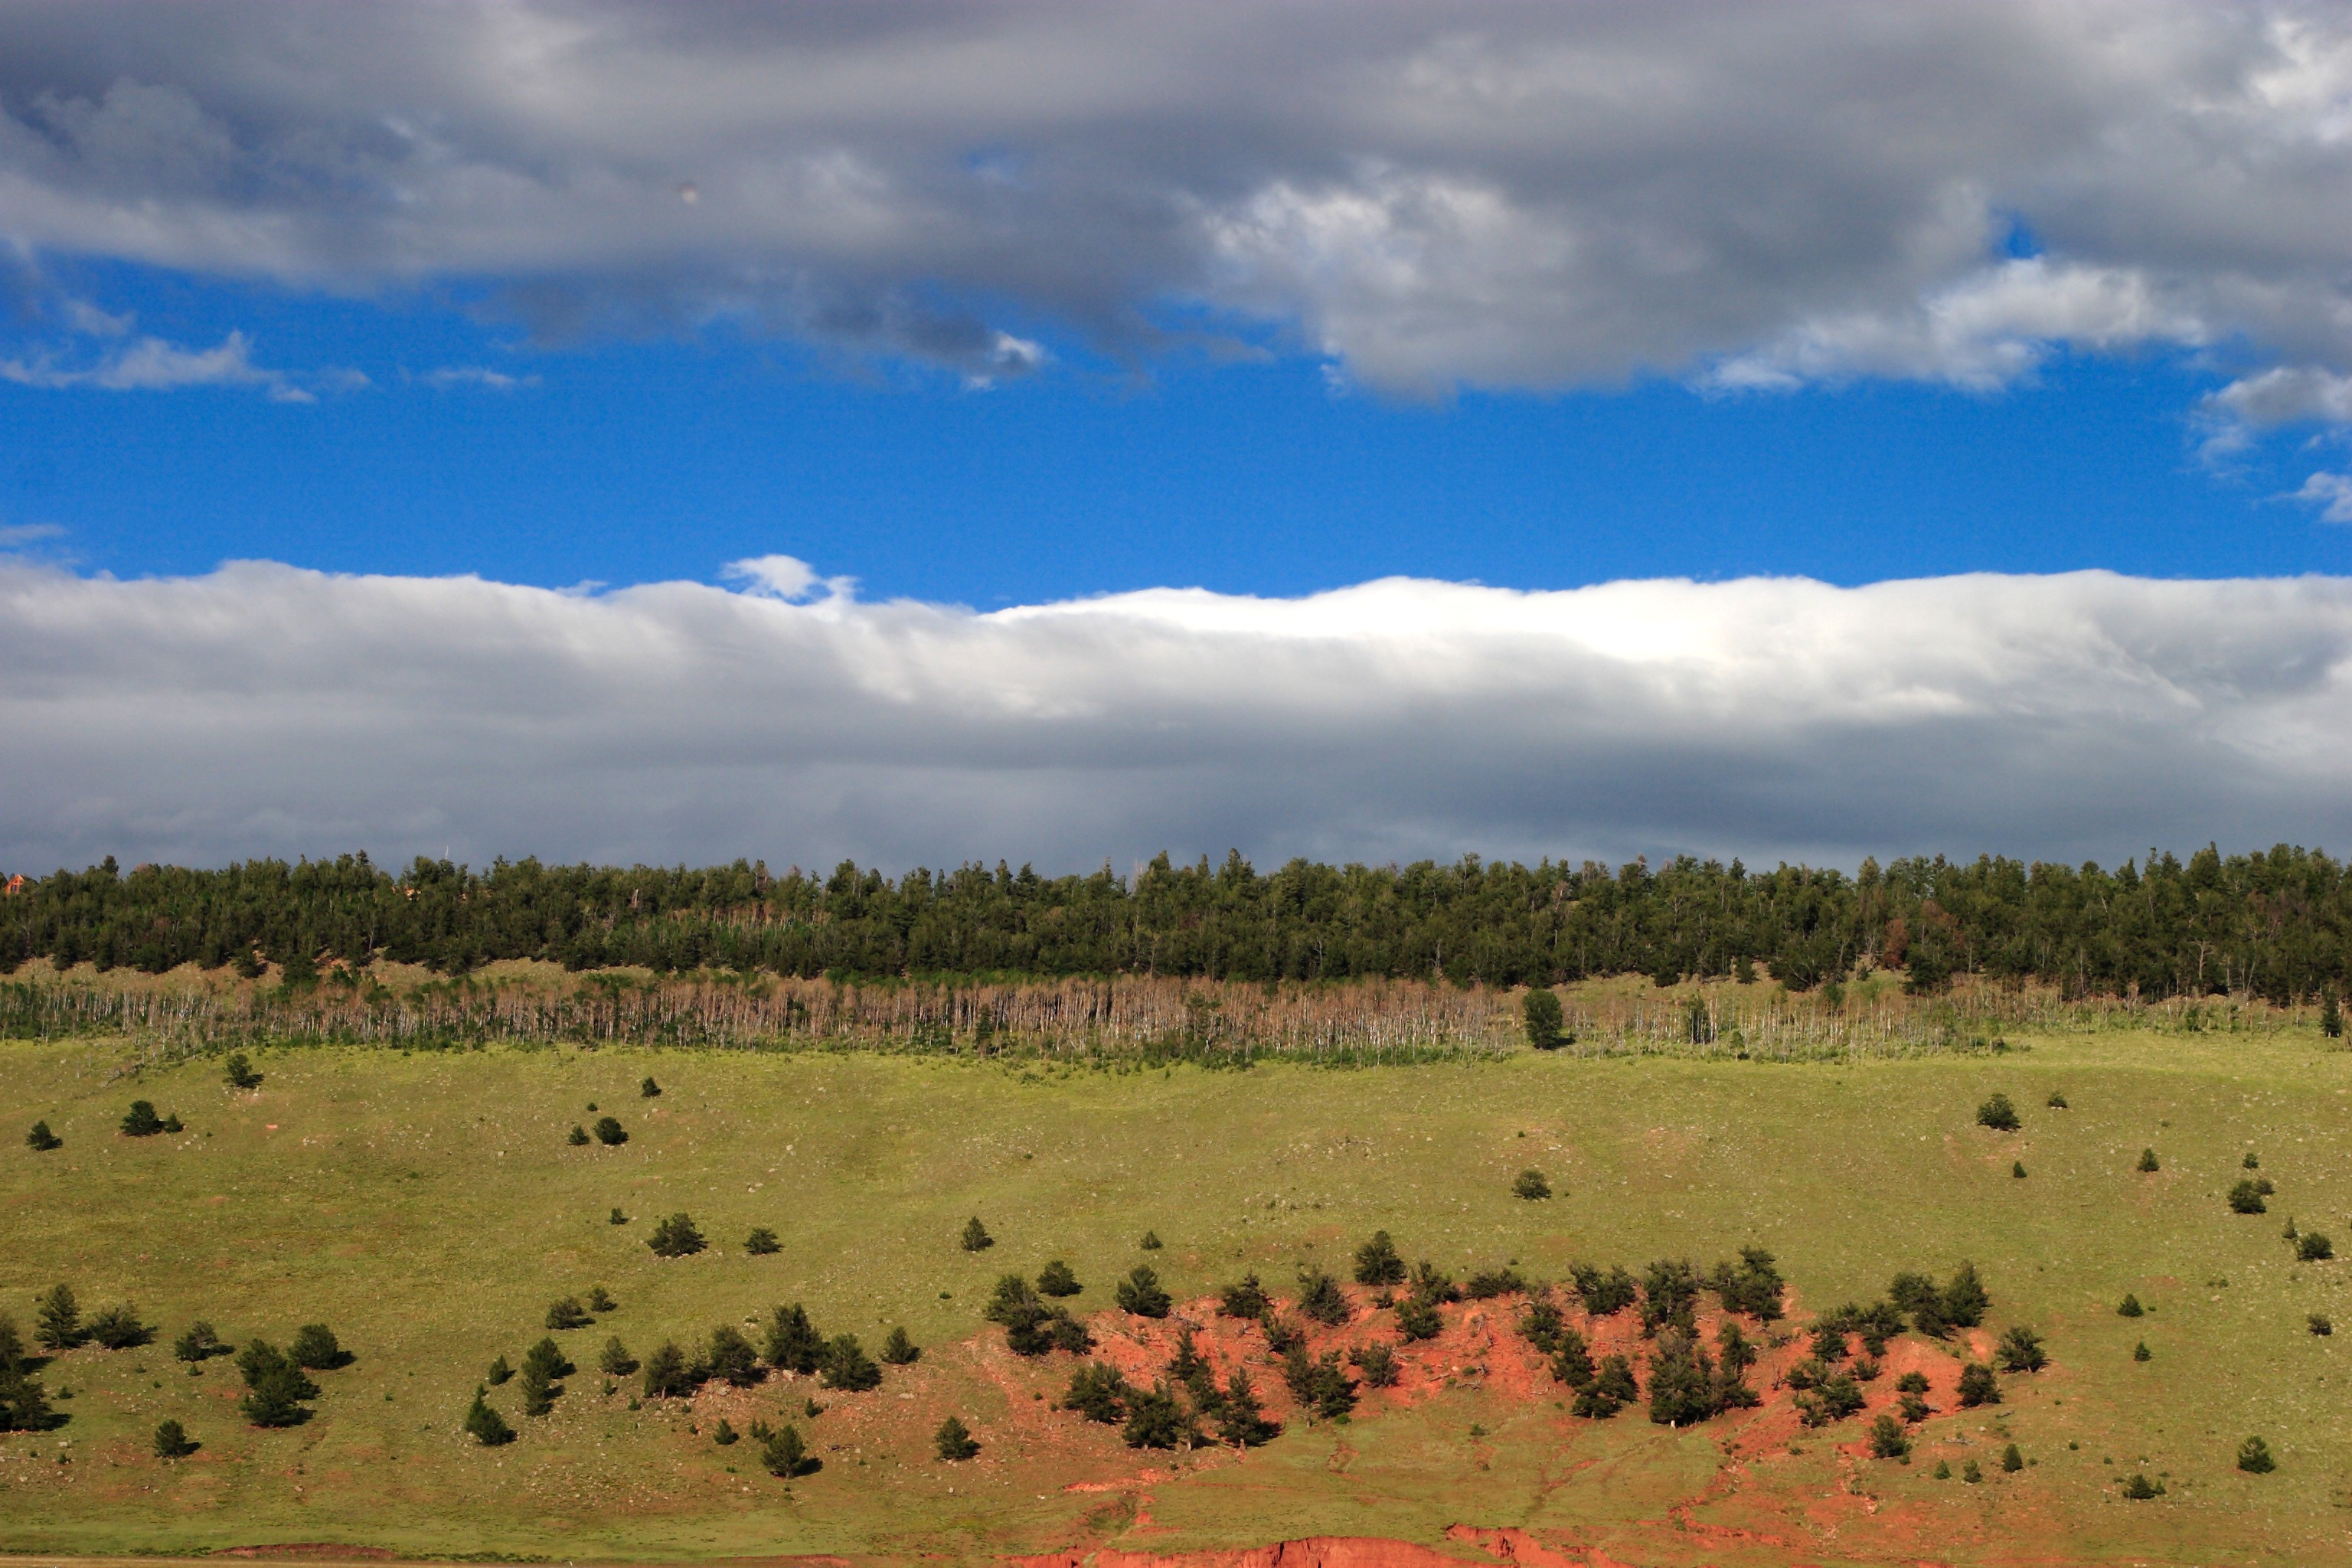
611, 429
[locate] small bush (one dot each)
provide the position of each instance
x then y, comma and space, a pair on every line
900, 1349
315, 1347
1489, 1283
485, 1426
666, 1374
141, 1120
1604, 1295
2017, 1168
1150, 1241
2020, 1350
784, 1452
2321, 1324
975, 1237
1377, 1362
239, 1073
171, 1441
1243, 1299
1887, 1438
1972, 1473
41, 1140
118, 1328
2130, 1307
1540, 1013
614, 1360
724, 1435
675, 1237
1377, 1262
1417, 1319
2139, 1488
2246, 1197
649, 1090
619, 1219
2251, 1161
1321, 1298
200, 1342
2254, 1457
2147, 1162
498, 1374
577, 1137
2057, 1101
1140, 1294
1098, 1393
1978, 1385
1531, 1185
56, 1319
1912, 1382
568, 1313
845, 1366
2311, 1247
1057, 1281
275, 1387
2140, 1352
954, 1441
2012, 1460
600, 1299
610, 1133
1998, 1114
762, 1242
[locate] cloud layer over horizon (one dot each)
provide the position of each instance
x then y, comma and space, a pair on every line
263, 710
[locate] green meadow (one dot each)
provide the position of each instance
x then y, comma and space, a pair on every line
428, 1207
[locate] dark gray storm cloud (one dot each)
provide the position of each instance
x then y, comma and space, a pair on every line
265, 710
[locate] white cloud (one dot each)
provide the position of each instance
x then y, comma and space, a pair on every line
2331, 493
261, 709
151, 364
1508, 196
475, 375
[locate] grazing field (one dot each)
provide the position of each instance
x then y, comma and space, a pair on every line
429, 1207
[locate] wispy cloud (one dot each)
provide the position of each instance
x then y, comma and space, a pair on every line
262, 708
2331, 493
473, 375
151, 364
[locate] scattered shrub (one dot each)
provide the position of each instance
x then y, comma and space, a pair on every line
500, 1372
1887, 1438
485, 1426
577, 1137
900, 1349
600, 1299
2246, 1197
1317, 1384
1157, 1420
2057, 1101
762, 1242
141, 1120
724, 1435
1912, 1382
1378, 1263
793, 1343
2321, 1324
614, 1360
784, 1452
2254, 1457
1057, 1281
2017, 1168
1140, 1294
118, 1328
239, 1072
2012, 1460
1669, 1297
1531, 1185
975, 1237
619, 1219
1319, 1297
2140, 1352
1913, 1408
275, 1387
1978, 1385
200, 1342
41, 1140
675, 1237
2020, 1350
666, 1374
315, 1348
568, 1313
2250, 1162
1964, 1299
1542, 1324
1489, 1283
1998, 1114
729, 1358
845, 1366
1377, 1362
1098, 1393
1829, 1342
2314, 1248
1150, 1241
954, 1441
1539, 1011
1417, 1319
1604, 1295
2130, 1307
1970, 1473
56, 1319
2139, 1488
2148, 1162
610, 1133
171, 1441
649, 1090
1241, 1421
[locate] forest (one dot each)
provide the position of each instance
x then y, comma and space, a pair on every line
2272, 924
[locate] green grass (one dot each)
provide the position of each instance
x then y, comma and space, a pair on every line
428, 1208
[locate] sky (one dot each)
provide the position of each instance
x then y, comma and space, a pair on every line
926, 432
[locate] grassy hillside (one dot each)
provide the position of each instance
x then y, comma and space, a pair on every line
428, 1207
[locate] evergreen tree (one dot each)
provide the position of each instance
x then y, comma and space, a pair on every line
731, 1358
762, 1242
568, 1313
649, 1090
667, 1375
1681, 1379
600, 1299
1610, 1390
1539, 1011
2246, 1197
485, 1426
500, 1372
1241, 1421
1999, 1114
1056, 1279
2020, 1350
1377, 1362
549, 1358
1320, 1299
118, 1328
199, 1342
2147, 1162
2254, 1457
2130, 1307
610, 1133
1888, 1440
2139, 1488
1669, 1297
171, 1441
1156, 1419
900, 1349
1531, 1185
2331, 1016
1964, 1299
847, 1367
1752, 1286
1572, 1360
2057, 1100
577, 1137
2140, 1352
275, 1387
1245, 1299
56, 1319
239, 1073
1150, 1241
675, 1237
2312, 1246
793, 1343
1319, 1383
2017, 1168
1541, 1323
724, 1435
975, 1236
784, 1452
614, 1360
1603, 1294
953, 1441
2012, 1460
539, 1390
141, 1120
1140, 1294
1098, 1393
1417, 1317
41, 1140
2318, 1322
1377, 1262
1978, 1385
